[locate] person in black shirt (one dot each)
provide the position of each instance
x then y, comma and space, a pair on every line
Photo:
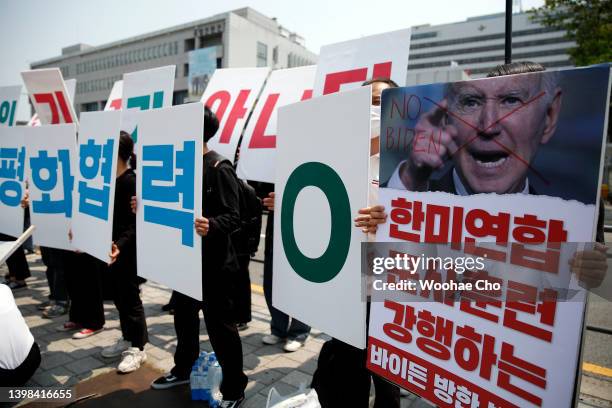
123, 275
220, 271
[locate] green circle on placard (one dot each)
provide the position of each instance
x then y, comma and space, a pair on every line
327, 266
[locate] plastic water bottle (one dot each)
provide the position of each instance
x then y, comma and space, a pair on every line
196, 382
206, 377
215, 375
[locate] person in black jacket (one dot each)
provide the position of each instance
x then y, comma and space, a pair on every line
220, 271
123, 277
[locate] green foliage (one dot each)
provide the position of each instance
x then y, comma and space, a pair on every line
587, 22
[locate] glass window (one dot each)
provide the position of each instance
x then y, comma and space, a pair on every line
262, 54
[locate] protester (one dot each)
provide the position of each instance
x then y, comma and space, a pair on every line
122, 271
220, 269
19, 353
341, 366
83, 274
17, 265
57, 305
282, 327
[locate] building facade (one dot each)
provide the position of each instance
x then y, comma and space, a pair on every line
477, 44
243, 38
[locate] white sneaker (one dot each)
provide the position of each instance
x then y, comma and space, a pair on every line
116, 349
292, 345
131, 360
270, 339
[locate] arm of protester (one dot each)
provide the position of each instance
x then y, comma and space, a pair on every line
369, 218
25, 201
113, 254
268, 201
423, 160
202, 226
227, 189
590, 266
134, 204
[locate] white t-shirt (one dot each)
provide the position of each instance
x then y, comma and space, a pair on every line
16, 339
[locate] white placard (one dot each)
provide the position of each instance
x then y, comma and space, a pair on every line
94, 187
114, 99
49, 96
231, 94
346, 65
9, 100
318, 192
143, 90
258, 146
50, 157
12, 175
169, 190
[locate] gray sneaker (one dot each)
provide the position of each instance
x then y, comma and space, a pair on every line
56, 310
44, 305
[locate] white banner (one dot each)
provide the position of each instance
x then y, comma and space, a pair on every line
169, 190
12, 169
94, 192
231, 94
49, 96
258, 146
51, 153
346, 65
143, 90
114, 99
318, 192
9, 99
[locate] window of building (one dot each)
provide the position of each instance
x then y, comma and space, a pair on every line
89, 107
219, 62
189, 44
185, 70
262, 54
178, 97
275, 55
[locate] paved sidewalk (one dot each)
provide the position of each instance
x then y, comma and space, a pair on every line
66, 361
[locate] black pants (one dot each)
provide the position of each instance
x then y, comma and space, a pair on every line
224, 339
126, 294
54, 261
17, 377
342, 379
84, 284
242, 300
16, 263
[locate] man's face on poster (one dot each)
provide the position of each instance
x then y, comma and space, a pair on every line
500, 124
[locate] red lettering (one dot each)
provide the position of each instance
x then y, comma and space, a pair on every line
335, 79
306, 95
115, 104
223, 97
63, 106
259, 139
382, 70
48, 99
238, 111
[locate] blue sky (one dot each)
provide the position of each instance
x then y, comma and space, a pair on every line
32, 30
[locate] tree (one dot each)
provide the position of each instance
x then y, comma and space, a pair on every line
587, 22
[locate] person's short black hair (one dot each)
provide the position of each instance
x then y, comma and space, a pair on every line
520, 67
387, 81
126, 148
211, 124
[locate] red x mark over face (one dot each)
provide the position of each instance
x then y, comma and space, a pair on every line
497, 129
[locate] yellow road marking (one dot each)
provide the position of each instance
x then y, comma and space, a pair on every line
257, 288
595, 369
